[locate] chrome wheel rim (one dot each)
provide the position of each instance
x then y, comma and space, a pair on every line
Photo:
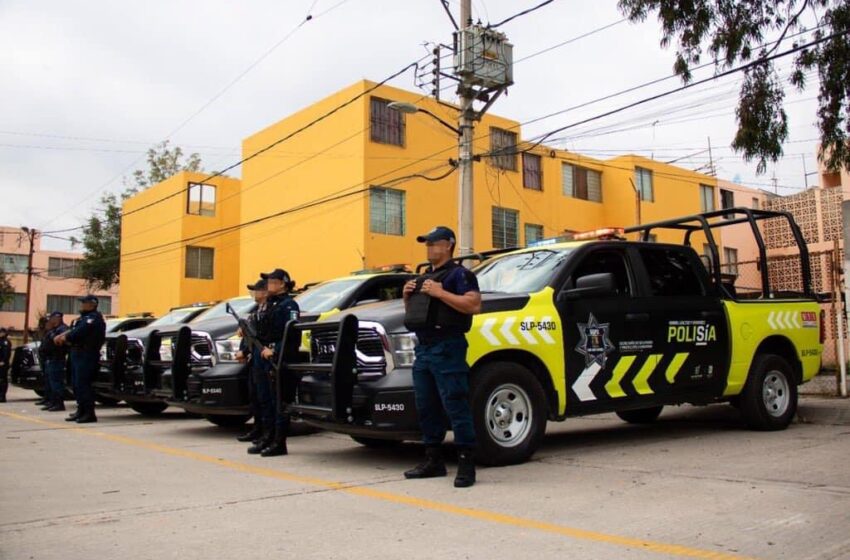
508, 415
776, 393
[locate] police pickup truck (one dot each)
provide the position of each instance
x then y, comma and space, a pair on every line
582, 327
205, 377
121, 375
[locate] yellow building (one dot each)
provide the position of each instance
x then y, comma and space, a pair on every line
171, 250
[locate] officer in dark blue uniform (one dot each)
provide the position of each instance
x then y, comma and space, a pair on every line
281, 309
5, 361
85, 339
54, 361
439, 308
259, 386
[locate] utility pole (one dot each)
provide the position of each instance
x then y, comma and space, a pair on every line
713, 171
805, 175
465, 125
31, 235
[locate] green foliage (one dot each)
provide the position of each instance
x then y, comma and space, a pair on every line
739, 31
7, 292
101, 237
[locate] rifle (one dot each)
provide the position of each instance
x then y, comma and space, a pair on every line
249, 333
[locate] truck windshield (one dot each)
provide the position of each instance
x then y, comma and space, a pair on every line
174, 317
326, 296
241, 305
525, 272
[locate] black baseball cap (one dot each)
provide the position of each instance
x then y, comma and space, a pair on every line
259, 285
276, 274
55, 314
89, 299
439, 233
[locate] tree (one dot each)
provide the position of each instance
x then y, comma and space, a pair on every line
7, 291
101, 237
742, 31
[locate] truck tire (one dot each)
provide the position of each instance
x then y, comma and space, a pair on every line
227, 420
640, 415
376, 443
149, 408
769, 399
509, 413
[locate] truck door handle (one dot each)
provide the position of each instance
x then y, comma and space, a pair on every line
642, 317
710, 314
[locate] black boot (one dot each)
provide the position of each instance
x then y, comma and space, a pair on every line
88, 416
465, 469
58, 405
255, 433
47, 406
42, 401
277, 446
74, 415
432, 467
264, 442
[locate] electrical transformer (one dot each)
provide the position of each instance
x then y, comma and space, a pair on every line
483, 57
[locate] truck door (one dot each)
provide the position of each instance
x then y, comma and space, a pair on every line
687, 319
609, 350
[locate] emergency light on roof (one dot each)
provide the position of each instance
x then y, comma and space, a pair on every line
549, 241
603, 233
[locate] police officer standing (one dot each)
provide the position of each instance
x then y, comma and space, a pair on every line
439, 308
85, 339
281, 309
54, 360
5, 358
259, 386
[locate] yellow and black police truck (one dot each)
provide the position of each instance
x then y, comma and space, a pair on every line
579, 327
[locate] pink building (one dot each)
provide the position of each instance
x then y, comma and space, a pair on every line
56, 282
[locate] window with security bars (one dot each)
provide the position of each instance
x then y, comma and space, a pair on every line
70, 305
14, 303
199, 262
706, 198
730, 261
505, 228
727, 200
582, 183
13, 264
533, 233
503, 149
643, 182
386, 125
532, 172
201, 200
755, 204
58, 267
386, 211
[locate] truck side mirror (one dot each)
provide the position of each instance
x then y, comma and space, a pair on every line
592, 285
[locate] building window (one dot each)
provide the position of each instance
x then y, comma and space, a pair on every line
533, 233
503, 149
63, 268
532, 172
756, 204
643, 182
730, 261
386, 125
706, 198
13, 264
16, 303
70, 305
386, 211
201, 201
727, 200
579, 182
505, 228
652, 238
199, 262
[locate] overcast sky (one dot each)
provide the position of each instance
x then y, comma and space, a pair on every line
87, 87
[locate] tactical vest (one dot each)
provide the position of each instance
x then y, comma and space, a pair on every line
427, 314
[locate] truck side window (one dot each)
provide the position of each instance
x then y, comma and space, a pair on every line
605, 261
671, 273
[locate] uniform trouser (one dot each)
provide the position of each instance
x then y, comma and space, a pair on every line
84, 367
54, 380
441, 383
283, 398
264, 394
4, 380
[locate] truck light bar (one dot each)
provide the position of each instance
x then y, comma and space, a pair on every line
602, 233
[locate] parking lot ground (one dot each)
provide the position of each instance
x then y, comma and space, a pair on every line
694, 485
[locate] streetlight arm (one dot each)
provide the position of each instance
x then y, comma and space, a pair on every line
439, 120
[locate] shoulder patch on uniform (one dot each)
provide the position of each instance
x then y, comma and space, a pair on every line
89, 321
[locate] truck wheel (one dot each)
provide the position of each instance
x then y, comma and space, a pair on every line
376, 443
509, 413
769, 399
640, 415
227, 420
149, 408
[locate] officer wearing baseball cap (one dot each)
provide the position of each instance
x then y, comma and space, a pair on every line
85, 339
54, 360
259, 385
5, 359
439, 306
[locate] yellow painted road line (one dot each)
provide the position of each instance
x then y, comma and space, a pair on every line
420, 503
675, 366
614, 387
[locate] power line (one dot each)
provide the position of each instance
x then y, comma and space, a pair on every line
520, 14
572, 40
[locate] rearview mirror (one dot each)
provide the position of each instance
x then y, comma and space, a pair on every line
592, 285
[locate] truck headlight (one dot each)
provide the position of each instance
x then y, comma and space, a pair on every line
166, 353
226, 349
404, 345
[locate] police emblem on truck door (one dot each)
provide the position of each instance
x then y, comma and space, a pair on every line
594, 344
